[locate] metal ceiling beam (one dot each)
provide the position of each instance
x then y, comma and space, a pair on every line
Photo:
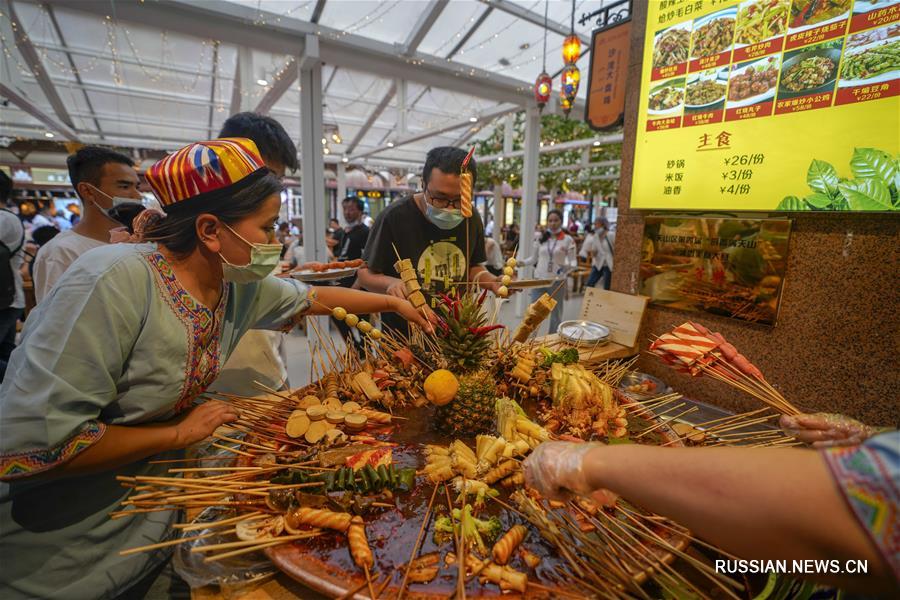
489, 115
471, 31
212, 88
26, 105
423, 25
241, 73
26, 49
573, 145
284, 35
147, 63
372, 118
534, 18
283, 83
68, 55
317, 11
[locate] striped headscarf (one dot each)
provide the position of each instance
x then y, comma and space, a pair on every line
199, 176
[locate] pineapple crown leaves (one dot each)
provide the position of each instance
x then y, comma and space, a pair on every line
464, 313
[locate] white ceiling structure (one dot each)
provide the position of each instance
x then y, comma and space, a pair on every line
399, 76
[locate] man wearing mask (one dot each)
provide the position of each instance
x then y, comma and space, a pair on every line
428, 228
353, 238
260, 355
107, 184
599, 247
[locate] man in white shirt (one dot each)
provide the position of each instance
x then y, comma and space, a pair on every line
12, 235
599, 247
104, 180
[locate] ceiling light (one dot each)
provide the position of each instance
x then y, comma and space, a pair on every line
324, 141
542, 144
336, 137
473, 119
48, 134
390, 144
525, 46
326, 150
345, 160
568, 180
262, 82
597, 143
499, 159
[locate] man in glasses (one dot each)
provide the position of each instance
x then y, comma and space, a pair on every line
429, 229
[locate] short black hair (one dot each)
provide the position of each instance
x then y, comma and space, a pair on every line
270, 138
6, 186
44, 234
448, 159
356, 200
86, 164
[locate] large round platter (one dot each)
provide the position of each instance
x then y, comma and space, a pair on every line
329, 275
325, 565
583, 333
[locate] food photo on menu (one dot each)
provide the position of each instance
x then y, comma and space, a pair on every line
810, 70
753, 82
671, 46
760, 20
706, 90
713, 34
806, 14
871, 57
666, 98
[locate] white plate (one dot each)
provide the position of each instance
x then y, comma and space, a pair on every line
878, 79
751, 100
329, 275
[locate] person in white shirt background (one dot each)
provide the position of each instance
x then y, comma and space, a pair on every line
495, 262
553, 254
104, 180
599, 247
12, 235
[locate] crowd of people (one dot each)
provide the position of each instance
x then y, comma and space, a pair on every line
126, 338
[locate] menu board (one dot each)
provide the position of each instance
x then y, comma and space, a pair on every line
769, 105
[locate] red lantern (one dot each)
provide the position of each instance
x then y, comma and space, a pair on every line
571, 49
543, 87
570, 79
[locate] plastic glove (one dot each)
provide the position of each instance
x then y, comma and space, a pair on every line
824, 430
556, 469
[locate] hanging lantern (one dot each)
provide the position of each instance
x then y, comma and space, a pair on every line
571, 49
543, 87
569, 80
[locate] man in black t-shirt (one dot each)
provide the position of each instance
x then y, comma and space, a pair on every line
428, 228
353, 241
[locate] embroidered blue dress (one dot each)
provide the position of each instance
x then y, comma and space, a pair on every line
117, 342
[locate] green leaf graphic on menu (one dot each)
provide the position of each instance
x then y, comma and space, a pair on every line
822, 177
868, 194
819, 200
792, 203
870, 163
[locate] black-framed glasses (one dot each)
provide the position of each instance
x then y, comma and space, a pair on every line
441, 202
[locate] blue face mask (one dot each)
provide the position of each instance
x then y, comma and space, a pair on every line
445, 218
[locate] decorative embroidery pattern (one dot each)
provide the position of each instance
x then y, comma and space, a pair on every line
19, 464
203, 328
869, 477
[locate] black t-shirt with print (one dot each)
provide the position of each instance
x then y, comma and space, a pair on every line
351, 248
439, 255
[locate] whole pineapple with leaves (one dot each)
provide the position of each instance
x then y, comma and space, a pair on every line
465, 347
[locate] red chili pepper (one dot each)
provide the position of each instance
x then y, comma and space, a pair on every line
482, 297
482, 331
447, 300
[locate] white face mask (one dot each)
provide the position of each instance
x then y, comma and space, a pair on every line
121, 210
264, 260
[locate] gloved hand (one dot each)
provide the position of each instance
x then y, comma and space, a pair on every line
824, 430
556, 470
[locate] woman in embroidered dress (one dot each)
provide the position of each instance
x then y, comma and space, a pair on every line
112, 361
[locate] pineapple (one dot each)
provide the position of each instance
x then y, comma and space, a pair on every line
465, 347
472, 411
464, 342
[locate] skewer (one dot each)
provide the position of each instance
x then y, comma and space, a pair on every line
235, 450
244, 544
276, 542
225, 438
215, 524
372, 593
415, 550
166, 544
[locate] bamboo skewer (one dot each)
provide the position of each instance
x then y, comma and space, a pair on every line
415, 550
166, 544
216, 524
275, 542
235, 450
244, 544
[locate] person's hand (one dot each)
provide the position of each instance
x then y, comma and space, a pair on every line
824, 430
423, 318
556, 469
396, 289
201, 421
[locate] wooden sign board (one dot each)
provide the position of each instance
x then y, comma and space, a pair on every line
622, 313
